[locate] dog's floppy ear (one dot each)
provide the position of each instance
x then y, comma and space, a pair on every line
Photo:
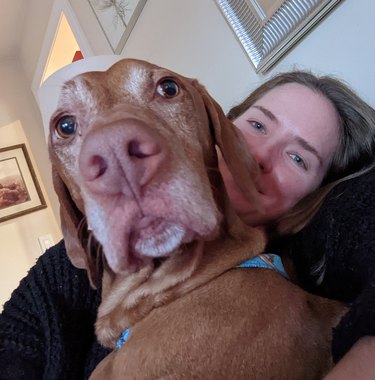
233, 147
70, 221
76, 236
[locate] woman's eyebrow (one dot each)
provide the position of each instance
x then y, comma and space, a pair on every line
301, 141
267, 112
307, 146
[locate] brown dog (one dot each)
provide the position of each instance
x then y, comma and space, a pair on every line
133, 150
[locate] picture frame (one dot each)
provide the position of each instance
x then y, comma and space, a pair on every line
267, 29
117, 19
20, 192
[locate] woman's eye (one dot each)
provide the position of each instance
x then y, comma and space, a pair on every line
298, 160
168, 88
258, 126
66, 126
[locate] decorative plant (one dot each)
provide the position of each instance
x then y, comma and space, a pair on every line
119, 6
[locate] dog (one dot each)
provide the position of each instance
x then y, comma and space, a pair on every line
134, 155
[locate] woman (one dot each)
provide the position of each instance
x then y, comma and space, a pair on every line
306, 134
351, 155
336, 261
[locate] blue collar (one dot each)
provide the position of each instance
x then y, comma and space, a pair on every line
265, 260
123, 338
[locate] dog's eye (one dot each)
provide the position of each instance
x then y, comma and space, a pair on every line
66, 126
168, 88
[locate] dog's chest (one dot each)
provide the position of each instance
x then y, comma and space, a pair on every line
222, 328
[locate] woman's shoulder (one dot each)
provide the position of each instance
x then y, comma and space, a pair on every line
47, 325
55, 274
52, 283
335, 256
336, 248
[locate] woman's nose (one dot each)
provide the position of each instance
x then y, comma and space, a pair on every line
263, 157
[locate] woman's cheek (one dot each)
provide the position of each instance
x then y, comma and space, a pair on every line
297, 189
288, 188
250, 137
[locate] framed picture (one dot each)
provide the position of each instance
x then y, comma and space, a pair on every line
267, 29
117, 19
20, 192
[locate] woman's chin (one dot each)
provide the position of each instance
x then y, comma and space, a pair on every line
253, 219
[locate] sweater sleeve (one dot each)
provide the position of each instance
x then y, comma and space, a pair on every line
358, 322
335, 257
47, 326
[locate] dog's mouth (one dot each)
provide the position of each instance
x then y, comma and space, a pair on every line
157, 237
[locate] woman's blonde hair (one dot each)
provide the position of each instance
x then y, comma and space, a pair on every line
355, 153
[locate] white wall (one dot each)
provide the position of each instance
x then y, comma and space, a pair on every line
193, 38
343, 46
36, 22
20, 123
19, 104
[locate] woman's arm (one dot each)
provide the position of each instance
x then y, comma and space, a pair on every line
335, 257
47, 327
358, 363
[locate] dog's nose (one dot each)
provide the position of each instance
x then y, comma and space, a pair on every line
121, 157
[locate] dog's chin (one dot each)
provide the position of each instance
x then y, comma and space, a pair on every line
150, 239
158, 238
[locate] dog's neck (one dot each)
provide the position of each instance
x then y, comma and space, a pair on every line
128, 298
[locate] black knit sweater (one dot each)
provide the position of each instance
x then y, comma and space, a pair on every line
342, 236
46, 328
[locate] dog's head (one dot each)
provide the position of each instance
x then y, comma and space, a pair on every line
133, 152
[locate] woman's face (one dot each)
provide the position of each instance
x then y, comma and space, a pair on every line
292, 132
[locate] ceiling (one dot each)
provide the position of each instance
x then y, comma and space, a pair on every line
12, 19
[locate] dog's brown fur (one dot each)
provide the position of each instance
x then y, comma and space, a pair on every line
140, 159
